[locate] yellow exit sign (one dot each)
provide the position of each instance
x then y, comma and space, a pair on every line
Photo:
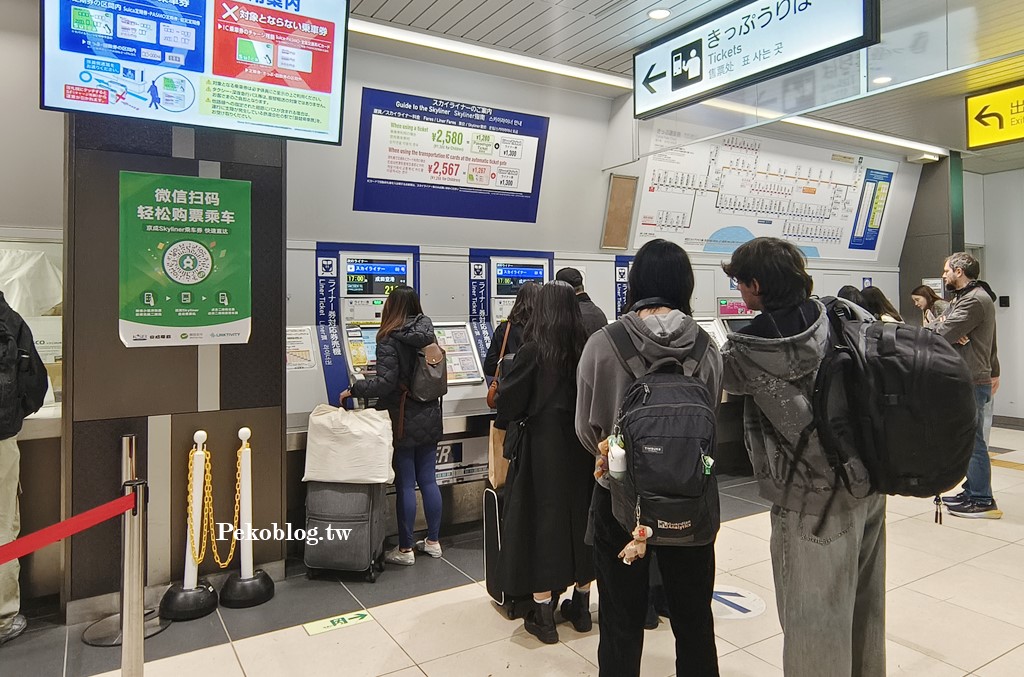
995, 117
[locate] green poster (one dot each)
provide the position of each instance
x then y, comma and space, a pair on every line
185, 260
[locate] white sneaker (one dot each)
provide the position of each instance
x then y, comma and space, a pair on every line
396, 556
432, 549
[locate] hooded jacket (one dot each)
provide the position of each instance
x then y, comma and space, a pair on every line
972, 314
602, 381
396, 354
777, 377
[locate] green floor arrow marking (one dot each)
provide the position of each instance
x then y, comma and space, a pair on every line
336, 622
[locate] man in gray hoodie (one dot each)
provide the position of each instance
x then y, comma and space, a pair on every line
659, 325
828, 546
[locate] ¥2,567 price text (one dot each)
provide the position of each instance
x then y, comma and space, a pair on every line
443, 168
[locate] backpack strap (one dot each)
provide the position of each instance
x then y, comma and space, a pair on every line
634, 363
700, 348
624, 349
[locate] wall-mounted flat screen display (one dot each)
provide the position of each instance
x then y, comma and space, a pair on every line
274, 67
511, 277
375, 277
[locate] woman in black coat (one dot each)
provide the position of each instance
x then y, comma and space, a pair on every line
526, 298
550, 480
404, 330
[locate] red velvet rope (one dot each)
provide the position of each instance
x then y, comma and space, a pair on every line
69, 527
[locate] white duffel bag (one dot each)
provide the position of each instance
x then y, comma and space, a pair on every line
348, 446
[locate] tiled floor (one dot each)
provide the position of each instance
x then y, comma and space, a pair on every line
955, 607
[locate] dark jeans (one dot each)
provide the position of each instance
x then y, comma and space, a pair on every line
689, 578
979, 473
415, 465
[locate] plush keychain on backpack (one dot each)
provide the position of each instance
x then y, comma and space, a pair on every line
637, 548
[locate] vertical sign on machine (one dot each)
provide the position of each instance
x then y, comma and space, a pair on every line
331, 295
328, 332
622, 266
185, 260
479, 301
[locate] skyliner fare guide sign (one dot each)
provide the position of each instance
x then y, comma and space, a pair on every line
745, 43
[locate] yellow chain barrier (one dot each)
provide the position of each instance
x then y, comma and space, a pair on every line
208, 530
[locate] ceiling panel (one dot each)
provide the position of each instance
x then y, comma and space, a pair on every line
461, 12
603, 34
406, 15
934, 112
500, 12
390, 10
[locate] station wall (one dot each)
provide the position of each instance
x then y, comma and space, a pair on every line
32, 173
1001, 213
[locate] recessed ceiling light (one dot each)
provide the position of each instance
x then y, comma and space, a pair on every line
659, 14
884, 80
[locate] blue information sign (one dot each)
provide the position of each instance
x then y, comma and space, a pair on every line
436, 157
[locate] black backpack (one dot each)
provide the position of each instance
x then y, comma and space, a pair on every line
667, 424
900, 399
23, 381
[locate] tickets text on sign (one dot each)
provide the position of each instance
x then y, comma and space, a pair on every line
745, 43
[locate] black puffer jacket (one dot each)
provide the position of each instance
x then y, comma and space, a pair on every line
396, 355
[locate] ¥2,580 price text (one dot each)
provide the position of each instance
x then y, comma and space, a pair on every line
447, 137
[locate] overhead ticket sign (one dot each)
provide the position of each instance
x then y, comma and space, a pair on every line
995, 117
745, 43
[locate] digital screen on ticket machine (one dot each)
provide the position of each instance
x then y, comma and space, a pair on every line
508, 275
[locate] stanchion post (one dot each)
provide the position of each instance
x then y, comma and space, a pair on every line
133, 608
194, 598
198, 478
109, 631
245, 501
249, 588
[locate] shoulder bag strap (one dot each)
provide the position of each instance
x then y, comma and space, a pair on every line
501, 355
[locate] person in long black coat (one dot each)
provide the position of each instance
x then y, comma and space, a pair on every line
550, 479
515, 326
417, 426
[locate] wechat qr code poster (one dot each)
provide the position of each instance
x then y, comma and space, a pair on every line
185, 260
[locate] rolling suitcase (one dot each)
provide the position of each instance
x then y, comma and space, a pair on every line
513, 607
355, 515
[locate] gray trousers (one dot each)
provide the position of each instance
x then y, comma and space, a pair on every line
10, 525
830, 590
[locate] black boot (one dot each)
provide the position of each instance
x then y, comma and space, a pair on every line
540, 623
577, 611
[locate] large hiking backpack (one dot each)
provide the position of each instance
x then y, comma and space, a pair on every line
429, 379
900, 399
667, 425
23, 381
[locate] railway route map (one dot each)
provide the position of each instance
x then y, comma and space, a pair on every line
710, 197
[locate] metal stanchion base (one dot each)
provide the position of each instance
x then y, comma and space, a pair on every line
241, 593
107, 631
179, 604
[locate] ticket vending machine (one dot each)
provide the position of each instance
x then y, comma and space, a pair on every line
495, 277
369, 278
715, 329
734, 314
508, 275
